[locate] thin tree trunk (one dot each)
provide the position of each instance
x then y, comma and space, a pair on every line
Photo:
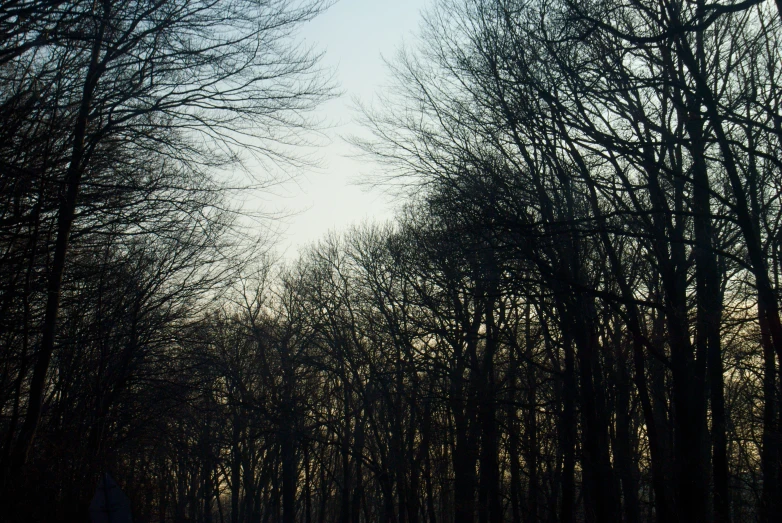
624, 458
489, 487
709, 313
288, 477
514, 441
531, 426
568, 436
307, 486
236, 467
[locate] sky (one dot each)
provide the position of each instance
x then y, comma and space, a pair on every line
355, 35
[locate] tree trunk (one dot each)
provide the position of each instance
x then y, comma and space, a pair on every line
288, 477
568, 436
65, 214
464, 458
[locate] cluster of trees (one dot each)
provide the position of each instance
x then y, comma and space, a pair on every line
576, 317
119, 124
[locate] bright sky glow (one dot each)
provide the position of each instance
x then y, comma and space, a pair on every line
356, 35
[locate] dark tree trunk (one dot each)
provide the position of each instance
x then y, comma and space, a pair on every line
289, 475
568, 436
708, 319
66, 212
464, 459
531, 425
236, 468
489, 482
628, 472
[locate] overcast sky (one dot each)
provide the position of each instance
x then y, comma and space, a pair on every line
356, 35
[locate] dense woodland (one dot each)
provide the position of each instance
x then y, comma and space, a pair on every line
574, 317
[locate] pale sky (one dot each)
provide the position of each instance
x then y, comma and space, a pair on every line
356, 35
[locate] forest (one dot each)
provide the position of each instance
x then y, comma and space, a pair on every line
574, 316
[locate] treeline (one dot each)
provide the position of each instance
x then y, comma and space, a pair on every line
120, 125
575, 318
